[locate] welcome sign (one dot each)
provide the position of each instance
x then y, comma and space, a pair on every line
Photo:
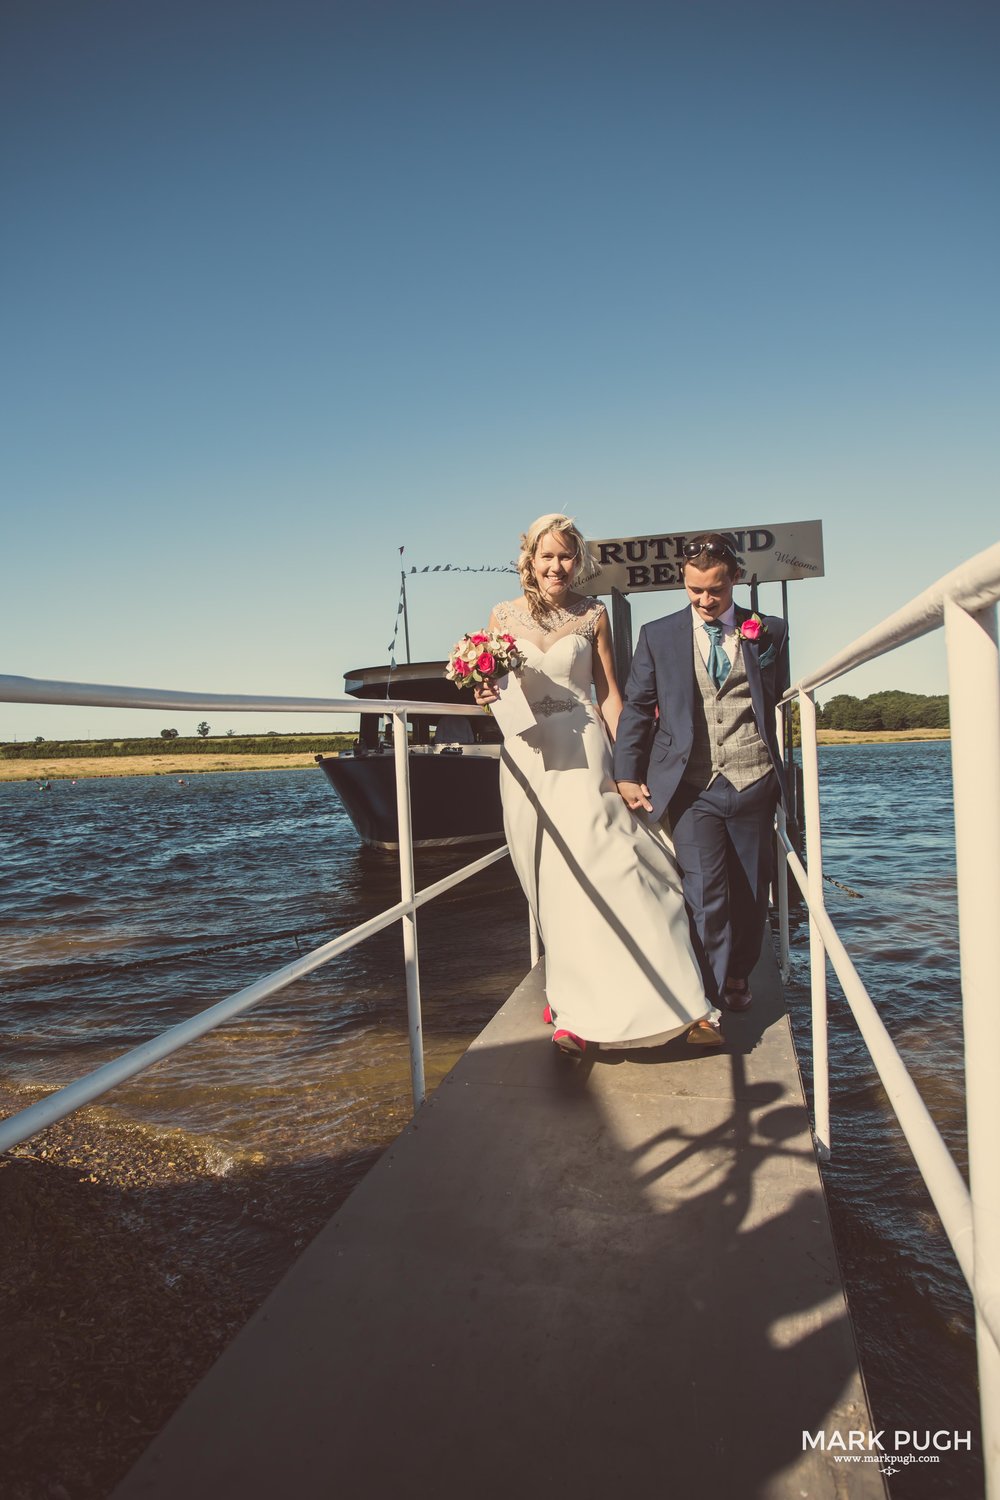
642, 564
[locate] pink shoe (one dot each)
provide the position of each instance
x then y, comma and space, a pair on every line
569, 1042
547, 1015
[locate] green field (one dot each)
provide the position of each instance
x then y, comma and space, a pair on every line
213, 744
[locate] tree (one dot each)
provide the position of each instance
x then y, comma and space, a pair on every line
934, 714
203, 729
793, 726
230, 733
866, 717
39, 739
841, 712
169, 734
892, 710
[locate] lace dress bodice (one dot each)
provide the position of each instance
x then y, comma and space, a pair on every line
558, 653
580, 618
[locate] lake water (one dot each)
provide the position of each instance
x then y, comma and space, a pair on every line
129, 904
888, 834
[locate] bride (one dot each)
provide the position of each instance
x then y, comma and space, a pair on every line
603, 884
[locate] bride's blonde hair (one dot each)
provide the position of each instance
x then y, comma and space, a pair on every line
559, 525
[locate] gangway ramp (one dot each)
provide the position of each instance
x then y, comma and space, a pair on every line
607, 1278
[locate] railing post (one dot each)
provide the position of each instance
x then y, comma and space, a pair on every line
781, 880
409, 920
817, 950
974, 686
781, 863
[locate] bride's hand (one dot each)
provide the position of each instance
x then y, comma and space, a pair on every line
484, 693
635, 794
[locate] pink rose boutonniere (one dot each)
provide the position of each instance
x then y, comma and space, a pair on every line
754, 629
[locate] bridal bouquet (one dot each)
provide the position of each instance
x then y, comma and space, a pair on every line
482, 657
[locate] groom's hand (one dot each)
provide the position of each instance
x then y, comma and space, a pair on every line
635, 794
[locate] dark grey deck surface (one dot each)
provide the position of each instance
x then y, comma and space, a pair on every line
612, 1278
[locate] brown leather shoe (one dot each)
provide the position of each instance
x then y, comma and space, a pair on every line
706, 1033
738, 996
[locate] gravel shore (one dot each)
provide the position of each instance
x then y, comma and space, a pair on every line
128, 1260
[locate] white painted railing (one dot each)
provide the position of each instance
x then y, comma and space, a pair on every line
963, 603
57, 1105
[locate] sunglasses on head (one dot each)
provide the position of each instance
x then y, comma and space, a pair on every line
714, 549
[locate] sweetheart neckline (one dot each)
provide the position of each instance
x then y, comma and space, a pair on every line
571, 635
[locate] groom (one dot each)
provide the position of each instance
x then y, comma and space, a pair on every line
697, 747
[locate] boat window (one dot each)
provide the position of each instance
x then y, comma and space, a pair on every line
453, 731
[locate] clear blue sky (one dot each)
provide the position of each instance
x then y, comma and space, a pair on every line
291, 283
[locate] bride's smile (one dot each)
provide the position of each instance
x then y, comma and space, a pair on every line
554, 563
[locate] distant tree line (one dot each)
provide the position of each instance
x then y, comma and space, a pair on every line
890, 710
171, 743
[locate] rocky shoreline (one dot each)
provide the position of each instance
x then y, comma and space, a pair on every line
128, 1260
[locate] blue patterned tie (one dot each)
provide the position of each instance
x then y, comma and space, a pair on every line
718, 662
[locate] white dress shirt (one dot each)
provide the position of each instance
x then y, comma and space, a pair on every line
730, 635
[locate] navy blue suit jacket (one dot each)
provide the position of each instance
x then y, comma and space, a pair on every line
656, 750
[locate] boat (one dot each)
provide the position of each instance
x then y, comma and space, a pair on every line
454, 763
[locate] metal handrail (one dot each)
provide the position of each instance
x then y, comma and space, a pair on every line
64, 1101
937, 1165
963, 603
102, 695
973, 586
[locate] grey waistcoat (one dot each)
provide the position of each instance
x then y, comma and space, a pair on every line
726, 741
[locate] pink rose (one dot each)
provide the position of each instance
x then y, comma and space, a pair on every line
750, 629
478, 639
509, 639
486, 663
461, 668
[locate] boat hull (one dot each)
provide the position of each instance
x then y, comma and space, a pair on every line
454, 798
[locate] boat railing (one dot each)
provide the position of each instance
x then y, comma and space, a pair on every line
963, 604
85, 1090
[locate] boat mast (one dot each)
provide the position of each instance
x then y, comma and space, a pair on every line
406, 618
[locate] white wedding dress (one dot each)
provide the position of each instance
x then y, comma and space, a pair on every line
603, 884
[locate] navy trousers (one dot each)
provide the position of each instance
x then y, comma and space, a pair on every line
724, 847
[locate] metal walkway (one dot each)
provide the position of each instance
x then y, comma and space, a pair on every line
614, 1277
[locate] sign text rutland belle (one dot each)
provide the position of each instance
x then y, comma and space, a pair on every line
639, 564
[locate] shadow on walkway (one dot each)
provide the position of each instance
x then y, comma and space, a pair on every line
612, 1278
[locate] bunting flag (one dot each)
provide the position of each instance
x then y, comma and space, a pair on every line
459, 568
391, 648
432, 568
